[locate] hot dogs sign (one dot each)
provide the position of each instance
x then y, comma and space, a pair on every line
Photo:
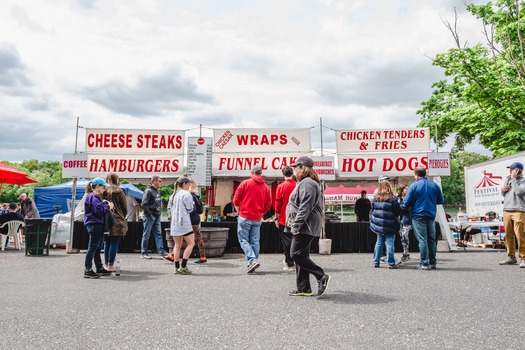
396, 152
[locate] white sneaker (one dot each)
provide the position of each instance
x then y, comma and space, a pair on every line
522, 263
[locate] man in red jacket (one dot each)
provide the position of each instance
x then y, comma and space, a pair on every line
252, 199
282, 196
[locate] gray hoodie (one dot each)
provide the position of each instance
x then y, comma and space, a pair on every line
304, 210
514, 198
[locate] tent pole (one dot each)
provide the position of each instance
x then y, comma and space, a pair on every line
72, 222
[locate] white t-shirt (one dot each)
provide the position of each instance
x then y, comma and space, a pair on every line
180, 213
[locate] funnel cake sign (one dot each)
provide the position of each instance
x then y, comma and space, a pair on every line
236, 151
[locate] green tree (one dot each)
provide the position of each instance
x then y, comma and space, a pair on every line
454, 185
484, 93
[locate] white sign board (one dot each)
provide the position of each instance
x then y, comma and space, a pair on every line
74, 165
199, 159
438, 163
382, 140
361, 165
135, 165
324, 167
236, 151
135, 153
141, 141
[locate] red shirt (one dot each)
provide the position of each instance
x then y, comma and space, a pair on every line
253, 198
282, 196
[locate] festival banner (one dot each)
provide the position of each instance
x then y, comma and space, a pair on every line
360, 165
140, 141
382, 140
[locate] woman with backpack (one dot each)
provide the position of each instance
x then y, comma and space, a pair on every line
195, 217
181, 224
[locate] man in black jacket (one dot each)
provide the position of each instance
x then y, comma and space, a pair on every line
151, 207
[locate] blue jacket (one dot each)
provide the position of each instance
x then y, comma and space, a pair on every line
423, 196
385, 217
406, 217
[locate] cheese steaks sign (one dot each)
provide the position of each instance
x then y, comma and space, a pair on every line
396, 152
135, 153
236, 151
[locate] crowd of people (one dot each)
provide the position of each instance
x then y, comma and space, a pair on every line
297, 212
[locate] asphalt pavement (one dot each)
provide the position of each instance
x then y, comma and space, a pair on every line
469, 302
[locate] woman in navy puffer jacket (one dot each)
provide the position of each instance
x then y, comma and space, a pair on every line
385, 222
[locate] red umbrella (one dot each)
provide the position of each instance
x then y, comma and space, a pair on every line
11, 176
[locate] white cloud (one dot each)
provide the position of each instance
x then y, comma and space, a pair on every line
178, 64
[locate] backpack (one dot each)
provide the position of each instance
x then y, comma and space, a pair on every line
197, 210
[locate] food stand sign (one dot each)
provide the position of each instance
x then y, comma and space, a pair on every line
438, 163
74, 165
199, 159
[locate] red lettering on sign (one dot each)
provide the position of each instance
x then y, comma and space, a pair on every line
256, 140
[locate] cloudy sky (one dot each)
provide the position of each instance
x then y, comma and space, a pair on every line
176, 64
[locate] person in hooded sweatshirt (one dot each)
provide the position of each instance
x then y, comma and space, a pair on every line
252, 199
116, 195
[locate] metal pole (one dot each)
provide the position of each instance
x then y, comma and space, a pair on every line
73, 204
436, 136
321, 130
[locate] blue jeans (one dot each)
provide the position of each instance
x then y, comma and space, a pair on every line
378, 250
110, 249
152, 221
249, 234
96, 240
425, 232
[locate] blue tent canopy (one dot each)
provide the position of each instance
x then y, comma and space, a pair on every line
58, 196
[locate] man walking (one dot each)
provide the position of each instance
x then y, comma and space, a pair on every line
423, 196
151, 207
282, 197
514, 214
252, 199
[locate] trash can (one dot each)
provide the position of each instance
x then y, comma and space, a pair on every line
37, 234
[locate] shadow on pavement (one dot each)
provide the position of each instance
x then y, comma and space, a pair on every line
345, 297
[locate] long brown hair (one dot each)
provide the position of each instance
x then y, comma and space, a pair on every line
384, 192
400, 190
306, 171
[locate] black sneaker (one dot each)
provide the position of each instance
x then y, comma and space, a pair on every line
296, 293
323, 285
91, 274
103, 272
200, 261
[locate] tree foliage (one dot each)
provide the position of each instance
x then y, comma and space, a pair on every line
484, 93
454, 185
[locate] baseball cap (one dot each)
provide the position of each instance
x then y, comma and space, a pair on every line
516, 165
382, 177
257, 170
303, 160
98, 181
